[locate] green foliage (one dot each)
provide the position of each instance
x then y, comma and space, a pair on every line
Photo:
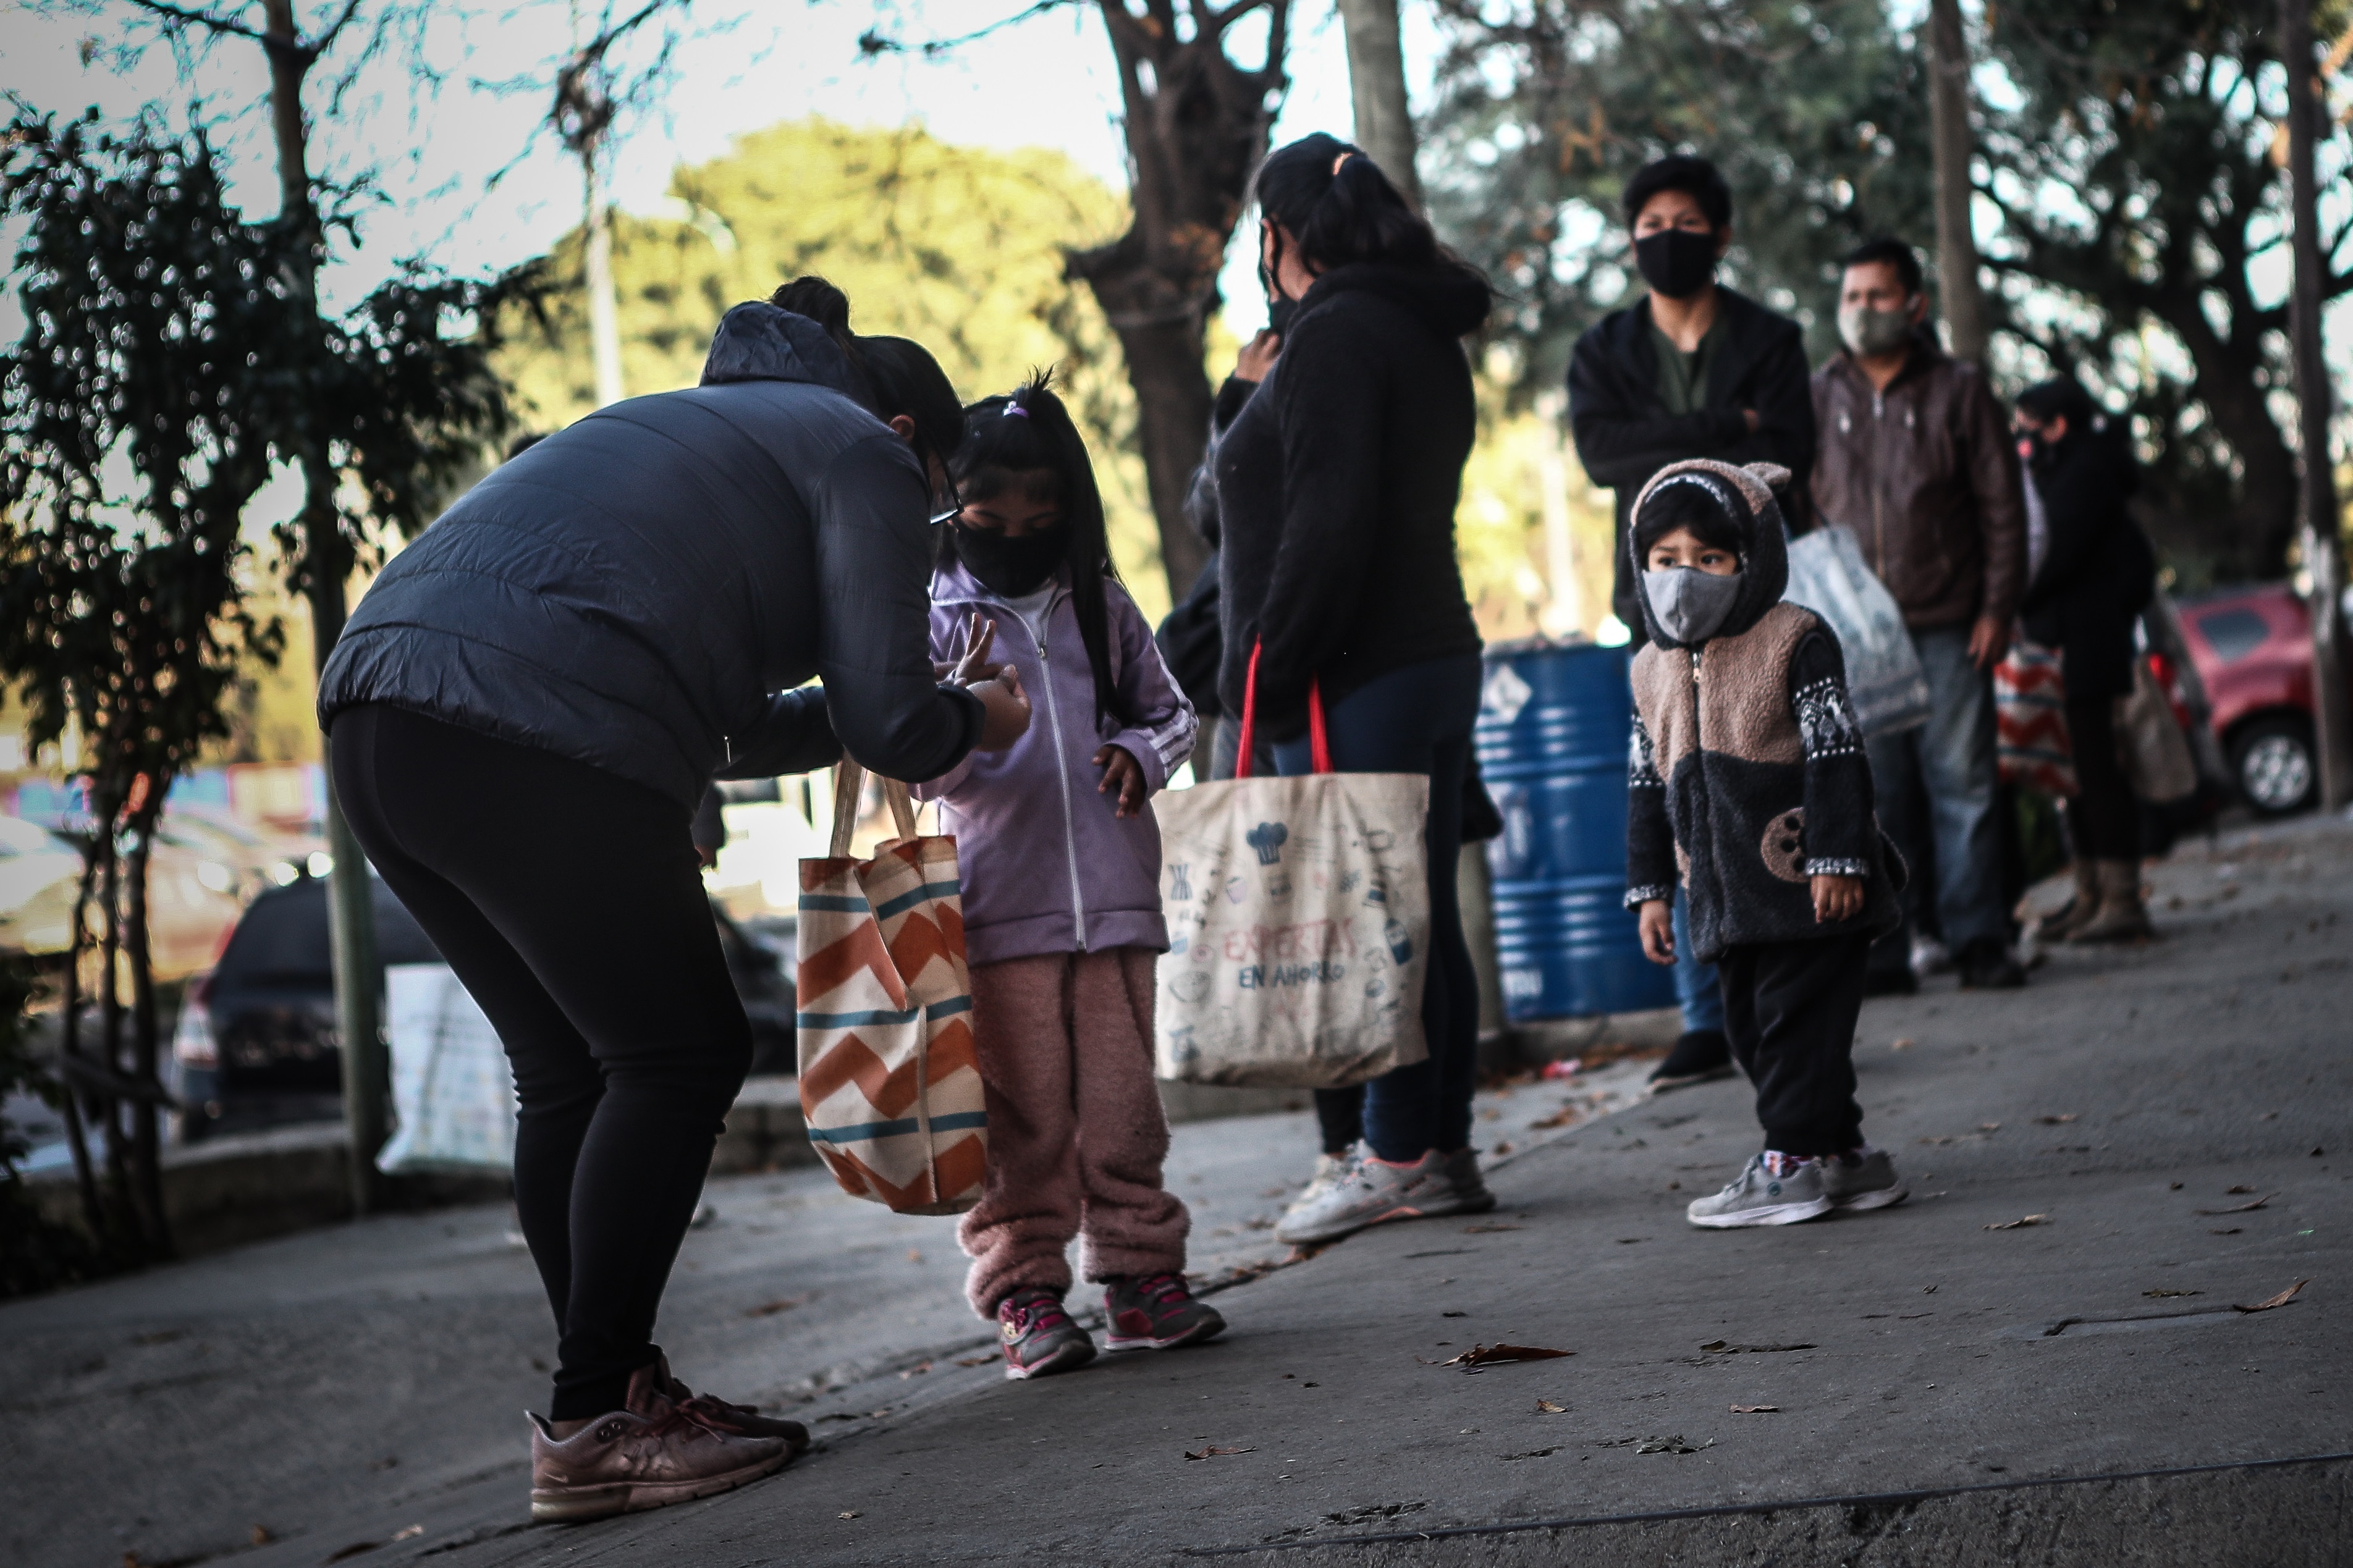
959, 249
1815, 112
36, 1252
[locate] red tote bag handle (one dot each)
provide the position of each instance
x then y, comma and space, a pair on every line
1319, 748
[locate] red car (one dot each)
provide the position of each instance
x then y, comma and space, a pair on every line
2252, 647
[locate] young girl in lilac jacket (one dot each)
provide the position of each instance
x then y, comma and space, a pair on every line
1061, 861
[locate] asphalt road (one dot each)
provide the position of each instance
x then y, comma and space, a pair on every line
1942, 1386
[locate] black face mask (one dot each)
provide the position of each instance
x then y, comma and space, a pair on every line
1677, 262
1279, 312
1012, 567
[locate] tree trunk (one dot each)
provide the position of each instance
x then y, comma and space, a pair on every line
1948, 113
1377, 86
351, 915
1197, 126
597, 263
93, 1212
2322, 558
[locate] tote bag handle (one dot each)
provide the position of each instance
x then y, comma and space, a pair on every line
1319, 747
849, 782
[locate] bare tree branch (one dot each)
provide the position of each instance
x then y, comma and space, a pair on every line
179, 16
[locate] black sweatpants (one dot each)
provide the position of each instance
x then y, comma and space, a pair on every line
569, 902
1791, 1009
2103, 819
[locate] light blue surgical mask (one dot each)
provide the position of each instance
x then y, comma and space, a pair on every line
1689, 605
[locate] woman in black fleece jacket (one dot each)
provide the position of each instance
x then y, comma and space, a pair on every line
1338, 483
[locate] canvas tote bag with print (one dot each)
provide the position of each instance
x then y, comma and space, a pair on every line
889, 1081
1298, 915
2032, 748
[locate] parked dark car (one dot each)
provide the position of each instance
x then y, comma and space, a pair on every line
2252, 647
257, 1042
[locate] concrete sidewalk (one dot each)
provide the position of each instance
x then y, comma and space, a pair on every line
2075, 1390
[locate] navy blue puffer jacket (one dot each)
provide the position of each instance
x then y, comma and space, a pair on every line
642, 590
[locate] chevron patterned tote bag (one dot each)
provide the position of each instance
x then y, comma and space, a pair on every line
889, 1083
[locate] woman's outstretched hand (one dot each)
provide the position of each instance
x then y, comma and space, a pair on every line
1123, 779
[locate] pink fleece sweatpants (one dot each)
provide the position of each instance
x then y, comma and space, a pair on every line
1075, 1131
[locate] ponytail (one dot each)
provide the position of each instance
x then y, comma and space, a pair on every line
1341, 210
898, 376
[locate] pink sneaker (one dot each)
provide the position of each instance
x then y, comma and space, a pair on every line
1038, 1337
653, 1452
1157, 1312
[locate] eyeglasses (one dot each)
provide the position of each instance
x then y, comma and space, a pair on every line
955, 507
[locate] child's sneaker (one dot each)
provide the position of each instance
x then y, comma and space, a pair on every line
1866, 1179
1038, 1336
1759, 1198
1155, 1312
1372, 1192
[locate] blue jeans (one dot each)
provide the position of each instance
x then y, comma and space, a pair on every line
1950, 760
1697, 989
1418, 721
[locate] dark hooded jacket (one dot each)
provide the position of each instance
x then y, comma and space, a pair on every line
2098, 572
1746, 773
1625, 435
1336, 487
643, 590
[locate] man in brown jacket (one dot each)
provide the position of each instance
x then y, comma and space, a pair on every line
1915, 456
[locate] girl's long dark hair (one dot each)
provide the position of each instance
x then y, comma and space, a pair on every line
1339, 208
1009, 442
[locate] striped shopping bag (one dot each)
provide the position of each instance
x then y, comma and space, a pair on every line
888, 1082
2032, 746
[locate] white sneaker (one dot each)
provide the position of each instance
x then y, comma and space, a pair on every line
1370, 1192
1758, 1197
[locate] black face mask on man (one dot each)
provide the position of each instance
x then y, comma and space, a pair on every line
1010, 566
1677, 262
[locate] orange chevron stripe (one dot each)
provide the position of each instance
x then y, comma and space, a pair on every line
952, 1051
850, 1060
917, 941
963, 1165
915, 1193
860, 948
816, 874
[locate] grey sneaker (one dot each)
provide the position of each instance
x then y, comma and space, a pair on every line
1865, 1181
1373, 1191
1469, 1186
1331, 1170
653, 1452
1038, 1337
1756, 1198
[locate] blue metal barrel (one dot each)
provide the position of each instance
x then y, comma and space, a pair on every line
1552, 737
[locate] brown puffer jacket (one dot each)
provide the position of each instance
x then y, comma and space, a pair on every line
1927, 476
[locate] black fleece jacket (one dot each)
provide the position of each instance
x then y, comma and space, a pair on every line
1336, 487
2098, 572
1625, 435
643, 590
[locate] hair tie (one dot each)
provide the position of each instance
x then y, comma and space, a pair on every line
1340, 160
1012, 408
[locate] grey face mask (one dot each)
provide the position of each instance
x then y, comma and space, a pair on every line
1867, 332
1689, 603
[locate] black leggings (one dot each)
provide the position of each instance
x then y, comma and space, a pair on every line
1791, 1009
2103, 819
568, 901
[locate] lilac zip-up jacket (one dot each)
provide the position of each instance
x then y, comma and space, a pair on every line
1047, 867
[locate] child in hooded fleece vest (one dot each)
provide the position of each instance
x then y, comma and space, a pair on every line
1060, 862
1748, 785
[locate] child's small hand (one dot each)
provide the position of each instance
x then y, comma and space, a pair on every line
973, 667
1837, 898
1124, 773
1658, 931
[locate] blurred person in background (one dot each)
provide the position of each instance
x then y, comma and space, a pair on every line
2091, 574
1692, 369
1917, 459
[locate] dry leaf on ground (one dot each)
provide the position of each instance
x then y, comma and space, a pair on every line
916, 1371
2282, 1300
2248, 1207
848, 1513
770, 1308
408, 1532
2162, 1294
1725, 1347
1489, 1229
2060, 1121
1546, 1407
976, 1360
1903, 1044
1671, 1446
1561, 1118
2242, 1187
1756, 1410
2021, 1222
1488, 1355
1218, 1452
